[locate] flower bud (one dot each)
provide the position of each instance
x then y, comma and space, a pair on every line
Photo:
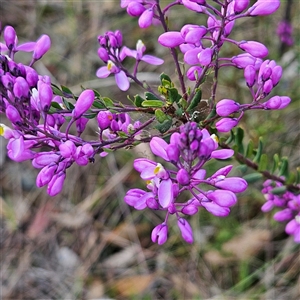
45, 96
173, 153
186, 230
56, 184
45, 175
183, 177
10, 35
254, 48
160, 234
193, 73
263, 7
13, 114
83, 103
226, 107
171, 39
145, 20
243, 60
43, 44
205, 56
283, 215
226, 124
240, 5
222, 198
250, 75
102, 53
135, 9
267, 87
189, 209
104, 119
276, 75
21, 88
233, 184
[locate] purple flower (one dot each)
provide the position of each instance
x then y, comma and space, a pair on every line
171, 39
186, 230
226, 107
187, 151
120, 76
138, 54
83, 103
263, 7
56, 184
160, 234
226, 124
254, 48
42, 45
145, 20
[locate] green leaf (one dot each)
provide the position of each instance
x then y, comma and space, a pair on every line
122, 134
279, 190
258, 151
56, 105
253, 177
150, 96
284, 167
138, 100
195, 101
173, 95
90, 115
107, 101
66, 90
276, 160
160, 116
231, 138
242, 168
68, 105
164, 77
56, 90
164, 127
97, 94
153, 103
297, 180
263, 163
239, 136
98, 104
250, 148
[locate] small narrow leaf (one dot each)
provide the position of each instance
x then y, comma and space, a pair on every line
173, 95
56, 90
195, 101
164, 127
160, 116
152, 103
138, 100
239, 140
253, 177
263, 163
275, 162
165, 77
279, 190
250, 148
150, 96
284, 167
107, 101
258, 151
98, 104
66, 90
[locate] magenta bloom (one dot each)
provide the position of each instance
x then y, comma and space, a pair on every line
120, 76
188, 150
263, 7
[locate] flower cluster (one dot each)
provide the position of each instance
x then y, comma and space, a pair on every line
112, 53
289, 205
26, 98
187, 151
285, 32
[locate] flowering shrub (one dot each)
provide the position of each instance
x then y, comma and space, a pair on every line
47, 121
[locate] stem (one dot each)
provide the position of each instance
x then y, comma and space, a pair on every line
173, 52
244, 160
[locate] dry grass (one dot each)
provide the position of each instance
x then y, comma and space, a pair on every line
86, 243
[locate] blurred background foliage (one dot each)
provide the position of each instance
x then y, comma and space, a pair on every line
86, 243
